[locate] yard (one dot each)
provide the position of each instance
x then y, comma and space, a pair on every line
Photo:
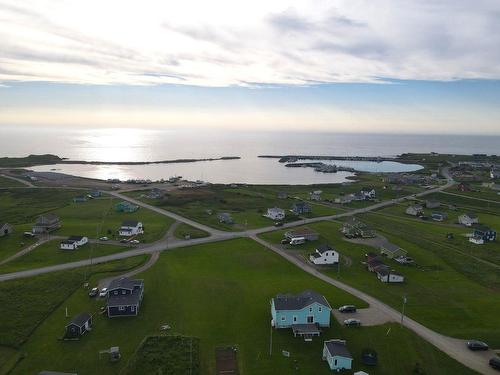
182, 231
7, 182
441, 295
220, 294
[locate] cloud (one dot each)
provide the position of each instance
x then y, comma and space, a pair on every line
259, 43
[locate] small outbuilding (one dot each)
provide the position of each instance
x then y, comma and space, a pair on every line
392, 251
78, 326
337, 355
5, 229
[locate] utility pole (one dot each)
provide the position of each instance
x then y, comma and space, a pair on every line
271, 342
403, 310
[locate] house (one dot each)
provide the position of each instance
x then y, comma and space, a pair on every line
275, 213
324, 254
464, 187
478, 240
415, 210
301, 208
391, 250
430, 203
307, 233
336, 354
368, 192
80, 199
357, 196
485, 233
155, 194
495, 174
79, 240
125, 206
388, 276
307, 307
225, 217
374, 265
68, 245
468, 219
344, 199
315, 195
282, 195
124, 297
131, 228
5, 229
78, 326
352, 227
46, 223
438, 216
95, 193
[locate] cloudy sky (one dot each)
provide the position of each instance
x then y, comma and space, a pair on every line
354, 65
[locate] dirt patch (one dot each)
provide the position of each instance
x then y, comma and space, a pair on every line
226, 362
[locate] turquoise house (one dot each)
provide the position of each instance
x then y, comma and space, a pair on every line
308, 307
336, 354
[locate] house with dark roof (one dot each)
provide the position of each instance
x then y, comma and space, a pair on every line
391, 250
336, 354
387, 275
301, 208
438, 216
485, 233
225, 217
131, 228
307, 307
73, 242
5, 229
46, 223
368, 192
324, 254
80, 324
415, 210
124, 297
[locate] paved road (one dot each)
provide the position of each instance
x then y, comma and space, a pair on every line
24, 182
469, 197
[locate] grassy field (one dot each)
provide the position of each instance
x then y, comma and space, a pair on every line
93, 218
184, 230
220, 293
440, 295
7, 182
49, 254
15, 241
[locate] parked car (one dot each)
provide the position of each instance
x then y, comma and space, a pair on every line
285, 242
477, 345
347, 309
352, 322
135, 242
278, 224
93, 292
104, 238
124, 241
104, 292
28, 234
495, 363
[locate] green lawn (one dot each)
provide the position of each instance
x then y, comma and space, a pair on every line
184, 230
15, 241
7, 182
220, 293
49, 254
439, 295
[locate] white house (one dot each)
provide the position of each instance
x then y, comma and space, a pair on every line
315, 195
388, 276
368, 192
468, 219
79, 240
324, 255
415, 210
275, 213
344, 199
478, 240
68, 245
131, 228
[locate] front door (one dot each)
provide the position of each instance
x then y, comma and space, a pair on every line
310, 319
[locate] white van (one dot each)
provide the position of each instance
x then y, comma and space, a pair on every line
297, 241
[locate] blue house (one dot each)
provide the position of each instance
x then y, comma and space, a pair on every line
95, 193
306, 308
124, 297
300, 208
485, 233
336, 354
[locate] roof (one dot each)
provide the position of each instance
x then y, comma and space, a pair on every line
3, 224
416, 207
438, 213
76, 238
323, 248
482, 228
337, 348
301, 204
130, 223
385, 271
472, 215
390, 247
67, 242
48, 217
367, 188
299, 301
125, 283
124, 299
80, 319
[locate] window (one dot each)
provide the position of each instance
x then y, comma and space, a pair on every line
294, 318
115, 292
124, 292
283, 318
310, 319
121, 308
335, 362
310, 309
320, 309
132, 308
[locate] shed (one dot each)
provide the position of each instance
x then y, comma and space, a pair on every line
5, 229
392, 250
78, 326
337, 355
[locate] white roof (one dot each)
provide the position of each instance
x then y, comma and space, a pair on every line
361, 373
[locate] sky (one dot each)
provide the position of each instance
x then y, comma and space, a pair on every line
396, 66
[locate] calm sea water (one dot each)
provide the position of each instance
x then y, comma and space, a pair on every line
150, 145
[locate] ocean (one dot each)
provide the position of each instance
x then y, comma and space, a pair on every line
150, 145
